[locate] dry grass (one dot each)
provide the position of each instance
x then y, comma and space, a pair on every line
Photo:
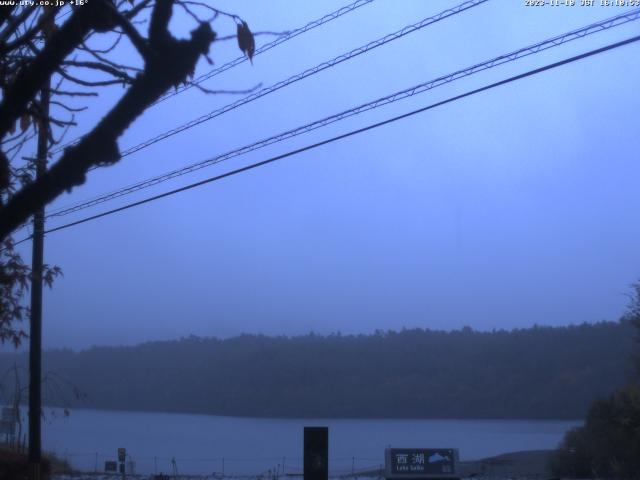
14, 465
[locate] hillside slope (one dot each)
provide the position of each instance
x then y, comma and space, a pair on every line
532, 373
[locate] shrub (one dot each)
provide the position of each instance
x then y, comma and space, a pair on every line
608, 445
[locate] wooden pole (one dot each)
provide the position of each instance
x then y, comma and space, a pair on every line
35, 333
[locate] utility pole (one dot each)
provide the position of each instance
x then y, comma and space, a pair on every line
35, 333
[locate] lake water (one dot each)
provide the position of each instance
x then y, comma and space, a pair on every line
205, 444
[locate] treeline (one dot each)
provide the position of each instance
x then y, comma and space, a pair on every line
540, 372
607, 445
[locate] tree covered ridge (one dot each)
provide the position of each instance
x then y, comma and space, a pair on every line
540, 372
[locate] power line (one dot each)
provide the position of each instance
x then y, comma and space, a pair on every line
421, 88
237, 61
354, 132
305, 74
287, 36
308, 73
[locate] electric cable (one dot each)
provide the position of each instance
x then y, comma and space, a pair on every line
409, 92
351, 133
241, 59
305, 74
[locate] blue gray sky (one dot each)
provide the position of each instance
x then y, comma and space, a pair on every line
513, 207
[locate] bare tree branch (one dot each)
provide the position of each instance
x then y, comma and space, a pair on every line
47, 17
175, 60
62, 123
159, 27
106, 61
136, 39
129, 14
74, 94
29, 80
14, 24
68, 108
102, 67
226, 92
88, 83
5, 13
109, 49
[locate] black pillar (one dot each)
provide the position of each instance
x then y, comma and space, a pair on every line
316, 453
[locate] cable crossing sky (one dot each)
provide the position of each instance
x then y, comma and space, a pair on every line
300, 76
307, 73
397, 96
237, 61
351, 133
268, 46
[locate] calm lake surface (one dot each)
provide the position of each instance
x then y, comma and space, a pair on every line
205, 444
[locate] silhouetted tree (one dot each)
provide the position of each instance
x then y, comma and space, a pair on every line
39, 47
632, 316
608, 445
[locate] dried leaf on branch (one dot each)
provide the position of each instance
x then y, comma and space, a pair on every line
246, 42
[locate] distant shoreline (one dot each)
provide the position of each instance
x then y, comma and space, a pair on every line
327, 418
527, 464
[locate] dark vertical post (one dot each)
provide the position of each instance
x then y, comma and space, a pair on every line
122, 458
35, 332
316, 453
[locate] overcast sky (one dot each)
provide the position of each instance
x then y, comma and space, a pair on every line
513, 207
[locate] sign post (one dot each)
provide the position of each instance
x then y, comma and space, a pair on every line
122, 456
421, 463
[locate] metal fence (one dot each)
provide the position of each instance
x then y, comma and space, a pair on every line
275, 468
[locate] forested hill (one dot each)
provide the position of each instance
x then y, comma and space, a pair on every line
533, 373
